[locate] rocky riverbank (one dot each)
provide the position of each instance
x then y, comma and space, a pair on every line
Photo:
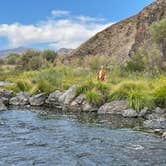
68, 100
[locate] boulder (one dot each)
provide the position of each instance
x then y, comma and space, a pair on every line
143, 112
21, 99
87, 107
130, 113
53, 98
2, 106
155, 123
6, 94
115, 107
37, 100
78, 101
67, 97
159, 110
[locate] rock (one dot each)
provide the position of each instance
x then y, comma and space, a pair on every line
37, 100
158, 131
130, 113
143, 112
53, 98
87, 107
159, 110
155, 123
78, 100
67, 97
164, 135
115, 107
6, 94
2, 106
5, 100
21, 99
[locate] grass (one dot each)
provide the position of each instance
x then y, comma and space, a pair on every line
139, 89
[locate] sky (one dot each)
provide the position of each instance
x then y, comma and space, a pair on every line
54, 24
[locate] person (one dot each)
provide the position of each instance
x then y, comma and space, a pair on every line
101, 74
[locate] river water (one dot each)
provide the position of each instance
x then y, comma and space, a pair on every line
59, 139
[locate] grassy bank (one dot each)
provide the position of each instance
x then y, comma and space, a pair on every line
139, 89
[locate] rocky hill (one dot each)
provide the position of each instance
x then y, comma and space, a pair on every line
122, 39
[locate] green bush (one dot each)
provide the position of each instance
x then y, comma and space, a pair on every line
137, 63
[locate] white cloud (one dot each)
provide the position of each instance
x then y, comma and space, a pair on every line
68, 33
87, 18
59, 13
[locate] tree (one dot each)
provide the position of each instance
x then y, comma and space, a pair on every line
49, 55
158, 32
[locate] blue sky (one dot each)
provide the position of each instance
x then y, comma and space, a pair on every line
59, 23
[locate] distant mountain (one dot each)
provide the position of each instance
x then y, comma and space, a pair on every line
121, 40
64, 51
19, 50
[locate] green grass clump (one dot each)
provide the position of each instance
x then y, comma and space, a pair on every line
139, 99
160, 96
93, 97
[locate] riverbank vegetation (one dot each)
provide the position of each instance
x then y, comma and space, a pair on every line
141, 80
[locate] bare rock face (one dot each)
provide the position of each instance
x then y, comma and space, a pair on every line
115, 107
37, 100
21, 99
123, 39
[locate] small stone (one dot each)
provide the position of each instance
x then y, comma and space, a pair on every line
164, 135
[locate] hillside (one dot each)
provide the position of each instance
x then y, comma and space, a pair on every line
19, 50
123, 39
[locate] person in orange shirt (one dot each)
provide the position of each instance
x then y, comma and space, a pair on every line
101, 74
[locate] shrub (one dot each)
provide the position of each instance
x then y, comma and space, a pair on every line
23, 85
137, 63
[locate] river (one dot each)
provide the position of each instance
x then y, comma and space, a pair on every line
59, 139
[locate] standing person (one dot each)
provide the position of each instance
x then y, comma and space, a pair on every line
101, 74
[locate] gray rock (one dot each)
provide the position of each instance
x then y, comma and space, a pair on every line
143, 112
6, 94
155, 123
130, 113
164, 135
159, 110
87, 107
78, 101
37, 100
2, 106
53, 98
67, 97
21, 99
115, 107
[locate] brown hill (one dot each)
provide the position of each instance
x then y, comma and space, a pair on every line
124, 38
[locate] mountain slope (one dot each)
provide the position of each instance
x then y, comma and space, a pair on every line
122, 39
19, 50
